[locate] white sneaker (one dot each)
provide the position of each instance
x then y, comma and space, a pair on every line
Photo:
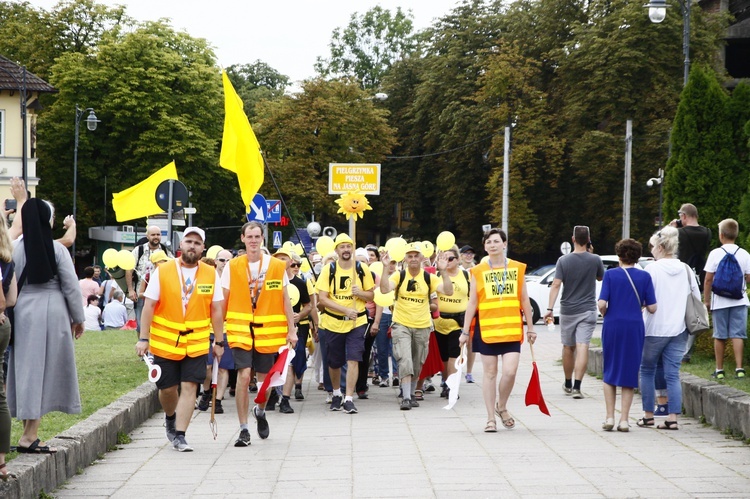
181, 445
329, 398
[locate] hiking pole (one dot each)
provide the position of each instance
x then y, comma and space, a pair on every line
214, 379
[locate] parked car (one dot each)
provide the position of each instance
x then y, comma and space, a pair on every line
538, 286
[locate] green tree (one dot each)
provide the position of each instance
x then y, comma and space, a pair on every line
158, 95
255, 82
368, 45
704, 168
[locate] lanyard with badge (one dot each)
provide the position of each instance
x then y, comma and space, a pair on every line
253, 283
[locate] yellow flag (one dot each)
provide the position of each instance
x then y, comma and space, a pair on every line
240, 151
140, 200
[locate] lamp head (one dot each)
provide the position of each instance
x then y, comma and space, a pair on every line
657, 10
91, 121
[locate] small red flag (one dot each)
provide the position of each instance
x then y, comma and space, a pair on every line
534, 391
277, 375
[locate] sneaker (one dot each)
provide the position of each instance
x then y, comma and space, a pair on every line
395, 381
576, 394
321, 387
349, 407
232, 392
243, 440
384, 383
171, 430
298, 394
204, 402
273, 399
336, 403
739, 373
181, 445
405, 405
218, 409
413, 403
253, 387
661, 411
445, 392
469, 378
429, 387
263, 429
567, 389
376, 380
285, 407
718, 375
329, 398
362, 395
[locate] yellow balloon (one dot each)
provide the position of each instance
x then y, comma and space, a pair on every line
298, 249
445, 240
293, 294
288, 245
394, 242
125, 260
213, 251
305, 266
398, 253
376, 267
324, 245
384, 300
427, 249
109, 258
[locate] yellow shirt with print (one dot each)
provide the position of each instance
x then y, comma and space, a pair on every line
412, 308
343, 296
454, 304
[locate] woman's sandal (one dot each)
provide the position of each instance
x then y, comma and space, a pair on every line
491, 426
4, 475
608, 424
418, 395
508, 422
623, 426
668, 425
645, 422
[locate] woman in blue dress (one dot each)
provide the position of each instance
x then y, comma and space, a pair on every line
625, 291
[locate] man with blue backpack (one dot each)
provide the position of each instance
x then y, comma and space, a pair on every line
724, 291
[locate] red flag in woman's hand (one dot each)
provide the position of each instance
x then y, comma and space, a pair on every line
534, 390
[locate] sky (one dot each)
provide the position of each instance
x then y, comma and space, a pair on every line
286, 34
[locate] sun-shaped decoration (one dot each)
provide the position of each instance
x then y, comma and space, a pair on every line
353, 204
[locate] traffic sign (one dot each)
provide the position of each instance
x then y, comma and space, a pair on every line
346, 177
486, 227
565, 248
274, 211
277, 239
258, 209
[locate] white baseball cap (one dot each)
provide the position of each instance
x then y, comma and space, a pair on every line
195, 230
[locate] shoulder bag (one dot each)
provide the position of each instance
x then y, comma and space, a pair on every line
696, 314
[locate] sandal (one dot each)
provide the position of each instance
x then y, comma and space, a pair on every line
624, 426
608, 424
668, 425
645, 422
35, 448
491, 426
4, 475
418, 395
508, 422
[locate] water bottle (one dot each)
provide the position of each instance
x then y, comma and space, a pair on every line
550, 324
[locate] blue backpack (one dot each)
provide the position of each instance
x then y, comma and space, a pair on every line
728, 279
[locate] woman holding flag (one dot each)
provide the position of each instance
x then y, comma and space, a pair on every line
498, 293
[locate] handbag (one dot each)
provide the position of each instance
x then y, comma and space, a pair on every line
696, 314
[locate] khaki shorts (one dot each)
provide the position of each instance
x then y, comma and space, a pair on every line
410, 348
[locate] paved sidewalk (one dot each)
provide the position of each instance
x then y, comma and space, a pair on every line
428, 451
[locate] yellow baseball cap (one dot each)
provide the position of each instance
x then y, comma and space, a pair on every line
414, 247
159, 256
341, 239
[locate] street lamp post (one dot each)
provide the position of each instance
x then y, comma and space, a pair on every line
24, 136
657, 12
658, 180
91, 123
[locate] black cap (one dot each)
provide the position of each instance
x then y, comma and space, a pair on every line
466, 248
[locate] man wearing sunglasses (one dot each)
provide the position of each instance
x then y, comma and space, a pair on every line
412, 319
578, 271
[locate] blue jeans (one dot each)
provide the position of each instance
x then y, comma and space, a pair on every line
670, 351
385, 347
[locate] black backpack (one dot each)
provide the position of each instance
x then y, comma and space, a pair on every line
332, 275
402, 274
140, 254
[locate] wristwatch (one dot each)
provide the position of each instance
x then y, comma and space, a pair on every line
222, 343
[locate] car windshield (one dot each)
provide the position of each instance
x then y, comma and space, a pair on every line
540, 271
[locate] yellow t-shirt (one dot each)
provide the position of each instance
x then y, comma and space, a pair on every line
454, 304
343, 296
412, 308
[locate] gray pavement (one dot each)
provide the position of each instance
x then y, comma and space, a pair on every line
428, 451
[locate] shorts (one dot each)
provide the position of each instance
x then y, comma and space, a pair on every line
410, 347
345, 346
730, 323
577, 328
226, 361
187, 370
479, 346
261, 362
448, 345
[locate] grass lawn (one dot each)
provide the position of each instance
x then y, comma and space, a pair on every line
703, 366
107, 369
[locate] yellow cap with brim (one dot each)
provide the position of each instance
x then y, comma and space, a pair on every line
414, 247
341, 239
159, 256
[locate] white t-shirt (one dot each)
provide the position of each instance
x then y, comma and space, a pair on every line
671, 288
254, 276
712, 263
92, 314
187, 275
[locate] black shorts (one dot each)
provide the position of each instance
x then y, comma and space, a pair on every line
448, 345
261, 362
174, 372
343, 347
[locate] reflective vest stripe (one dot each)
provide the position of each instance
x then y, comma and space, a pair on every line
239, 316
263, 319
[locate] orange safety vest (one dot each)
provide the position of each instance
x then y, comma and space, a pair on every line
499, 301
268, 320
175, 334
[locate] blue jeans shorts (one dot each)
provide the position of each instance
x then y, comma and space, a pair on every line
730, 322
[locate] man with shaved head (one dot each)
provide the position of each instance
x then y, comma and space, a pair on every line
143, 266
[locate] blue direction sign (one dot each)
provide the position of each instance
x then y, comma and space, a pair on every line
258, 209
274, 211
277, 239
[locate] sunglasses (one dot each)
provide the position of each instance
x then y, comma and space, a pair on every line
451, 258
222, 260
294, 265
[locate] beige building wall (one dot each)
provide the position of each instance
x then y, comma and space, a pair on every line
11, 164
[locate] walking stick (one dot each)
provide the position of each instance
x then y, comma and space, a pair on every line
214, 379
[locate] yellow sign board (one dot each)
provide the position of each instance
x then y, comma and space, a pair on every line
345, 177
